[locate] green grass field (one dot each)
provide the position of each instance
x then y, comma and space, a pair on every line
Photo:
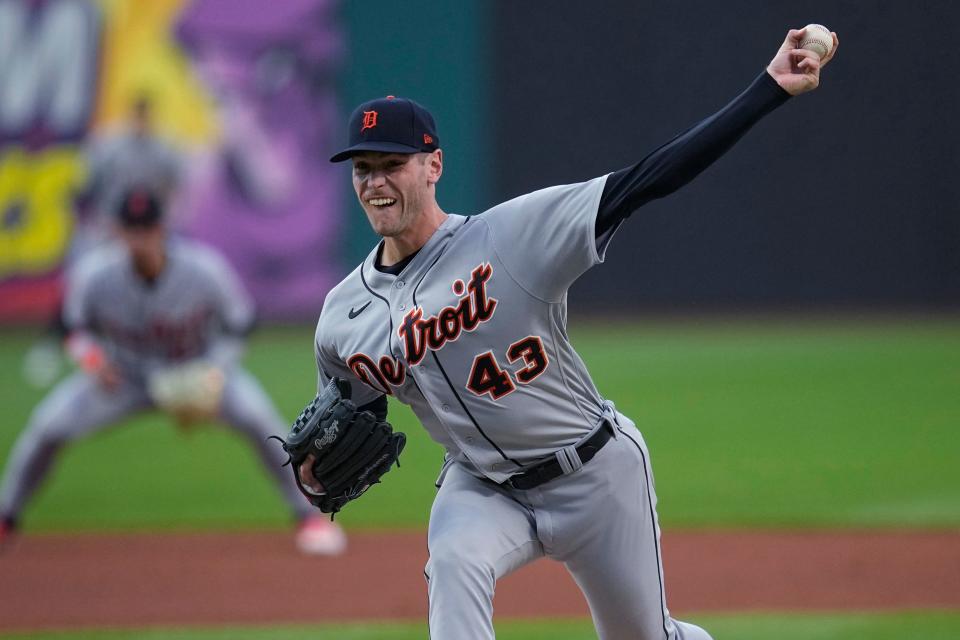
750, 424
929, 625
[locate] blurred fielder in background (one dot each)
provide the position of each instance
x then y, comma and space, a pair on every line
154, 323
118, 160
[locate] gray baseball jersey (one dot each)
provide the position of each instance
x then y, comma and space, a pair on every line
472, 335
196, 308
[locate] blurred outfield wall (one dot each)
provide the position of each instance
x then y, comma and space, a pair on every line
253, 95
844, 198
245, 93
848, 197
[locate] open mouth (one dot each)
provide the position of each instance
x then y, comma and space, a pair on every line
382, 202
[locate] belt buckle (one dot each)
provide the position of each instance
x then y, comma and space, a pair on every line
513, 480
533, 474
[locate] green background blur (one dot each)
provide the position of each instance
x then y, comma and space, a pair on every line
751, 423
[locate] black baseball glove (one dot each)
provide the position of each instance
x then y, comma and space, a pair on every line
353, 449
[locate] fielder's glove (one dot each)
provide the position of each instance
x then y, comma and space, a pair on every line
353, 449
191, 391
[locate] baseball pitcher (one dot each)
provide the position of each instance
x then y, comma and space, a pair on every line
464, 319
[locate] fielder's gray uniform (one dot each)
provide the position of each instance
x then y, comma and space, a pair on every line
472, 335
196, 308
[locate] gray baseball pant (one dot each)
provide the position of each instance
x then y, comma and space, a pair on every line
78, 407
599, 521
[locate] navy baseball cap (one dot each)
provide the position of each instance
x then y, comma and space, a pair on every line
139, 208
390, 125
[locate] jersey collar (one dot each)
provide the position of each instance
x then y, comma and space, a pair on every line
379, 280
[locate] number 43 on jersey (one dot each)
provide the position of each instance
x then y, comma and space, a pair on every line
488, 377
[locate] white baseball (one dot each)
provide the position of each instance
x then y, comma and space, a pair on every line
817, 38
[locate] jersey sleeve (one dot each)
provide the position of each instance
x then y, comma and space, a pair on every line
547, 239
234, 310
330, 364
680, 160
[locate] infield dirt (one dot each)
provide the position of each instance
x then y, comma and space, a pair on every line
136, 580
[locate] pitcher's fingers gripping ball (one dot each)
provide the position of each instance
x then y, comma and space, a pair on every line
351, 449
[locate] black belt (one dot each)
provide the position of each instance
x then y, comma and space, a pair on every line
547, 471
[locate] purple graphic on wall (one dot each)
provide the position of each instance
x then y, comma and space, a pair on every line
265, 194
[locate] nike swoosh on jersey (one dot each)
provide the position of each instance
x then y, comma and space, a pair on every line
354, 313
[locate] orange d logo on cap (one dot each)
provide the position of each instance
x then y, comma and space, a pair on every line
369, 120
389, 125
